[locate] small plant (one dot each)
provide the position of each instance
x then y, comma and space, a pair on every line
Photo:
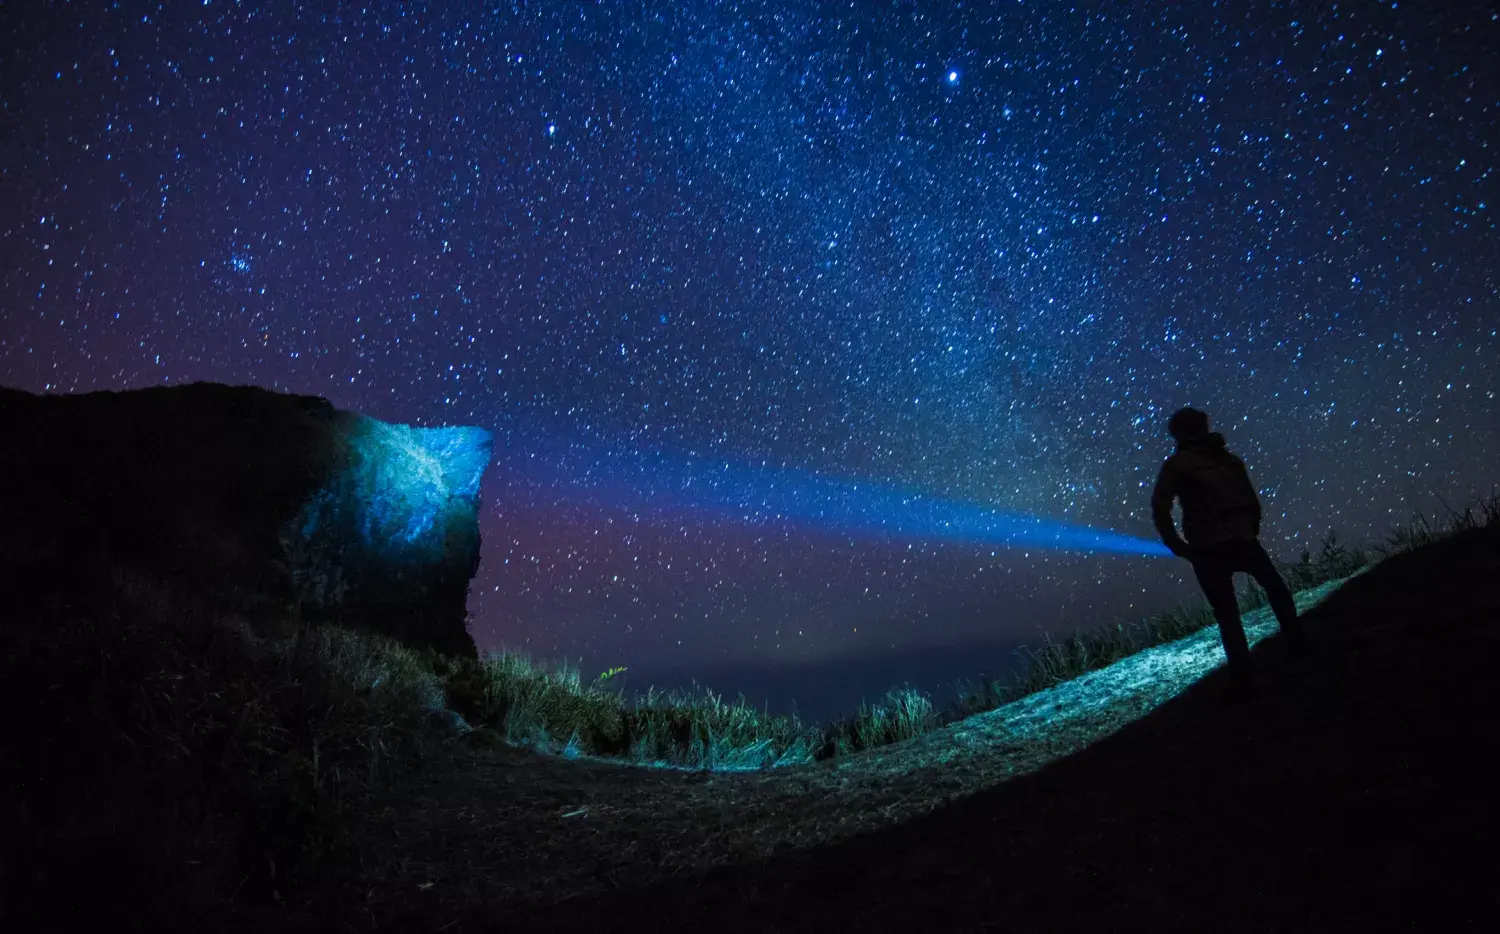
987, 694
606, 675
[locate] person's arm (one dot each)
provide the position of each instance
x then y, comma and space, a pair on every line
1162, 496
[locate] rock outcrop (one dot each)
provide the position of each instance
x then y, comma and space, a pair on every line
332, 514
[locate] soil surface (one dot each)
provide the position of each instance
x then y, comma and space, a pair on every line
1355, 791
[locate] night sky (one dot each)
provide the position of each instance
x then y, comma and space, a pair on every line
976, 251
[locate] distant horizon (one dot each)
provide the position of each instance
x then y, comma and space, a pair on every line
826, 689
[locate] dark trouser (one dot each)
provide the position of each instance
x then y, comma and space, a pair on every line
1215, 566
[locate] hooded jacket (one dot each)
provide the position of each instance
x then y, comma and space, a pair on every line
1219, 503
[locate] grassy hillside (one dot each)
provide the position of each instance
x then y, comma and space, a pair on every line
1355, 794
212, 739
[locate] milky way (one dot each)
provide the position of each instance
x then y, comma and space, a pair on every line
978, 250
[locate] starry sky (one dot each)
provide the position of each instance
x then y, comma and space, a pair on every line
978, 251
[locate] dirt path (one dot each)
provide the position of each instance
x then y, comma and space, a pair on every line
1357, 793
510, 829
1352, 791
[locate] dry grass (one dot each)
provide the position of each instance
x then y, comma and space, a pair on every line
235, 754
506, 828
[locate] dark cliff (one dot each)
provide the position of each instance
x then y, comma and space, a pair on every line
327, 514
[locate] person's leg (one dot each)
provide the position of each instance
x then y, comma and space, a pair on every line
1263, 569
1216, 577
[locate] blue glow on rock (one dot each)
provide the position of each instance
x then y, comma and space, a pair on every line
410, 478
404, 490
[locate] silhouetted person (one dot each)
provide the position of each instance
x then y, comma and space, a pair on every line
1221, 523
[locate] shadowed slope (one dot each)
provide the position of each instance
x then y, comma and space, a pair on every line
1355, 792
1350, 793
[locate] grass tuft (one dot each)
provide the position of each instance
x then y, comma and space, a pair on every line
699, 729
904, 713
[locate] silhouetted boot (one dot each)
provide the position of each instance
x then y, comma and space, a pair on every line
1242, 685
1297, 646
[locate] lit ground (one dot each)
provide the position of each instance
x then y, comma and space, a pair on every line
513, 828
1356, 793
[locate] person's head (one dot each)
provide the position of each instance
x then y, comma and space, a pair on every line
1187, 423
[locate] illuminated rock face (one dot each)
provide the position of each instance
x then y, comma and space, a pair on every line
392, 534
238, 490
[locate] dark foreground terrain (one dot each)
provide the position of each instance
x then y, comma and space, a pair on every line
1357, 792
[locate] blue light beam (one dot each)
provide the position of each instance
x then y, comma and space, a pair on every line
658, 483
